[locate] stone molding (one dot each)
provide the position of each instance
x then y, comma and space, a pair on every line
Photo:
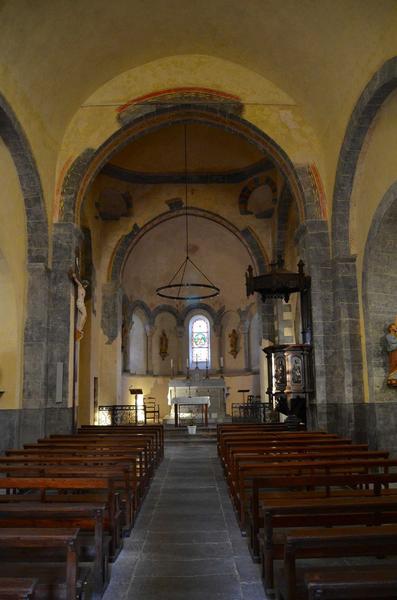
382, 84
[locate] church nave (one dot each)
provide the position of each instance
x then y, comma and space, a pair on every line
186, 543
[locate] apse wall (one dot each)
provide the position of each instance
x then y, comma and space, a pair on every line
153, 261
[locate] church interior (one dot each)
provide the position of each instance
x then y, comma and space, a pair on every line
198, 227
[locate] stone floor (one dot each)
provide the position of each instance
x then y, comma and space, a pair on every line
186, 543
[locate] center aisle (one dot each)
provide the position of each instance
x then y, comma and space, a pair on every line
186, 544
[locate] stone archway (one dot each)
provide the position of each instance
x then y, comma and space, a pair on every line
382, 84
380, 309
34, 394
125, 245
90, 162
314, 237
350, 414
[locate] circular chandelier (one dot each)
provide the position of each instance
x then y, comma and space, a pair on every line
179, 288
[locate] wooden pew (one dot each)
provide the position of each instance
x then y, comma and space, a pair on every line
121, 475
288, 513
321, 466
48, 586
241, 461
326, 543
145, 432
303, 458
89, 518
109, 444
68, 490
99, 464
86, 454
286, 438
223, 428
325, 485
77, 443
276, 446
17, 588
157, 429
378, 582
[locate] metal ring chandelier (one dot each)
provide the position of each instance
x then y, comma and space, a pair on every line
179, 289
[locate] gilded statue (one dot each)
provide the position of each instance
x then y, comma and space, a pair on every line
391, 347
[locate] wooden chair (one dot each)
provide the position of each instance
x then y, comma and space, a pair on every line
151, 409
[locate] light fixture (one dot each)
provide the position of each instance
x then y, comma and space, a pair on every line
178, 288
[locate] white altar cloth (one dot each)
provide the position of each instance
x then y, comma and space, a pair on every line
190, 400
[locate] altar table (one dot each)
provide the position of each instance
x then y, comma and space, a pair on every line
203, 401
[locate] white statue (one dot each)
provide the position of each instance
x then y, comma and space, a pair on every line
81, 287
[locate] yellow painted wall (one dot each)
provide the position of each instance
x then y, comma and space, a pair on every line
266, 105
12, 281
376, 172
320, 55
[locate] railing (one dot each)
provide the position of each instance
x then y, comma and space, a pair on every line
249, 412
127, 414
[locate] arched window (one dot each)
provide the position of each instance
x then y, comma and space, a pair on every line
199, 341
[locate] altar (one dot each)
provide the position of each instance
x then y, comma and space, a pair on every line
199, 387
203, 401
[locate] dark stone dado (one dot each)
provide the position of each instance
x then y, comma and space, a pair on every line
26, 426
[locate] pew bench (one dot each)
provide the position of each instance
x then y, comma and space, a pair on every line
312, 486
249, 462
55, 580
281, 517
71, 491
75, 446
334, 543
89, 455
241, 487
290, 439
352, 583
17, 588
122, 476
156, 429
89, 518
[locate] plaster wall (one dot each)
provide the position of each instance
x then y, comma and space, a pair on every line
13, 280
138, 345
266, 105
216, 251
328, 49
90, 349
151, 200
376, 172
167, 323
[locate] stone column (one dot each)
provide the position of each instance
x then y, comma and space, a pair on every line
180, 334
149, 329
244, 329
34, 401
111, 357
59, 414
350, 417
267, 310
313, 242
218, 332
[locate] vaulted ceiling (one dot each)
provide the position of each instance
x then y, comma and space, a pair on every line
54, 54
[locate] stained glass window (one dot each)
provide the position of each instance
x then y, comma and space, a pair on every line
199, 341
